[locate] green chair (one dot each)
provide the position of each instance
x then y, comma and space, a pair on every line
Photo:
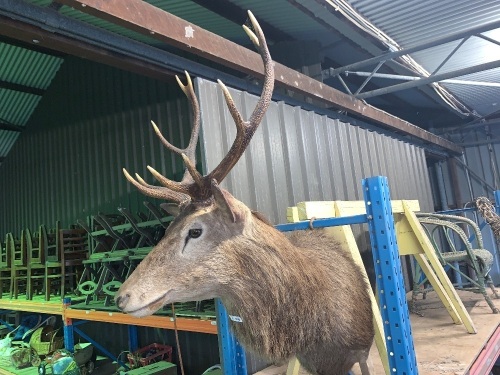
459, 246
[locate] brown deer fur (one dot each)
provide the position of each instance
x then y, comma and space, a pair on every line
299, 295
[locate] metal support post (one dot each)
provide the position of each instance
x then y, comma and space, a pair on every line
232, 355
133, 338
390, 284
69, 338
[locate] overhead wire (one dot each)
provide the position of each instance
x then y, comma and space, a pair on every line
407, 61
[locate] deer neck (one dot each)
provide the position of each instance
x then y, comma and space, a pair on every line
266, 286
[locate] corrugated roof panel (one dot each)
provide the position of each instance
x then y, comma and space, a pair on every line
17, 106
25, 67
42, 3
411, 23
7, 140
473, 52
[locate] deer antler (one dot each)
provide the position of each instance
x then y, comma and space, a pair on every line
194, 186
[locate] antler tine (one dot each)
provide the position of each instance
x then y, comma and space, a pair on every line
190, 150
179, 187
155, 191
194, 185
188, 89
246, 129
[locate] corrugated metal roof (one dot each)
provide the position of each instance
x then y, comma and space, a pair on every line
26, 67
412, 23
7, 139
31, 69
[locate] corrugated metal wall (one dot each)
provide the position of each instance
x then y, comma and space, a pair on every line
297, 155
93, 121
482, 155
481, 178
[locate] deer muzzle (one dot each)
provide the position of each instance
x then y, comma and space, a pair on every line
136, 305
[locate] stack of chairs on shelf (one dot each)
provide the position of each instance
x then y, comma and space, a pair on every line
5, 265
47, 262
65, 260
118, 242
90, 259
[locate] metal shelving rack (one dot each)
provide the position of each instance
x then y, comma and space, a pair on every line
391, 293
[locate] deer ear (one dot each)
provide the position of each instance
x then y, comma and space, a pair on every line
171, 208
225, 202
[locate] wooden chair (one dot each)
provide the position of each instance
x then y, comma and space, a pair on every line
52, 277
115, 266
74, 250
64, 268
6, 265
35, 255
459, 246
19, 274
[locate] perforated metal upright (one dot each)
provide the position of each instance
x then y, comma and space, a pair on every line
232, 355
390, 284
69, 337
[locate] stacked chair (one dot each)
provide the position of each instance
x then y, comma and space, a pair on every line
5, 264
19, 264
67, 250
44, 263
91, 259
118, 242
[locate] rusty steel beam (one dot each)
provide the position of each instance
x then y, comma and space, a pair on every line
34, 35
149, 20
21, 88
10, 127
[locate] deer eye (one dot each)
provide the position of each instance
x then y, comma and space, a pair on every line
194, 233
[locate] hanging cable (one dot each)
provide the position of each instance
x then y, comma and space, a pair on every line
181, 364
344, 8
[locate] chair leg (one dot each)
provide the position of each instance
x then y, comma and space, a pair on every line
417, 283
46, 285
63, 280
482, 289
29, 286
489, 282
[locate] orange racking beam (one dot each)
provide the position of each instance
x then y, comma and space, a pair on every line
166, 322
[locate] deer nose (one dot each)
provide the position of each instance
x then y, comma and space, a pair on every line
121, 301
